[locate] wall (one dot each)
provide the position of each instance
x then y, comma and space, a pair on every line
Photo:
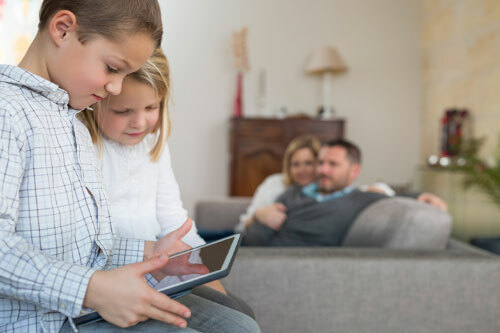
379, 96
461, 41
461, 67
18, 26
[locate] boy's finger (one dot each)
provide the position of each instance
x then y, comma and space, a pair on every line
150, 265
183, 229
164, 303
166, 317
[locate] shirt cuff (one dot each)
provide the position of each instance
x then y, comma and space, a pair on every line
65, 286
126, 251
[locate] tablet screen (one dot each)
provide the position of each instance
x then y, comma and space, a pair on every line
196, 263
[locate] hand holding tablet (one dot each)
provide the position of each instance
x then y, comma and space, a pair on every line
192, 268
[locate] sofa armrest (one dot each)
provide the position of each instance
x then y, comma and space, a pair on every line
400, 223
220, 213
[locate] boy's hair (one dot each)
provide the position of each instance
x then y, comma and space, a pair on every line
112, 19
155, 72
352, 151
303, 141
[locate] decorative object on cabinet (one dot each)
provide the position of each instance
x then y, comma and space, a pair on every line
455, 129
257, 146
326, 61
240, 53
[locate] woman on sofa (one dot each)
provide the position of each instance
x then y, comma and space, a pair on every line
299, 163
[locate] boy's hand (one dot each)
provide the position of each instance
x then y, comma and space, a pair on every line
122, 297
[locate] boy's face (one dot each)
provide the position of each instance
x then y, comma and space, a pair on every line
96, 69
130, 116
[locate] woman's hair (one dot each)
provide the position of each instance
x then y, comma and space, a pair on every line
155, 72
303, 141
107, 18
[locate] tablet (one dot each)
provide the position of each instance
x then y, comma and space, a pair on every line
188, 269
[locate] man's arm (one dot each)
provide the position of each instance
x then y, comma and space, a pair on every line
433, 200
427, 198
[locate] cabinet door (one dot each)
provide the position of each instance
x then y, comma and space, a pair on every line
252, 163
258, 145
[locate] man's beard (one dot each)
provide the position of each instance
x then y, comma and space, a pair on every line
335, 186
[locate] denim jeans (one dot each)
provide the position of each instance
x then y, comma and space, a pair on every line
206, 316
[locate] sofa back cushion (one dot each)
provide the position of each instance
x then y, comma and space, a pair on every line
220, 213
401, 223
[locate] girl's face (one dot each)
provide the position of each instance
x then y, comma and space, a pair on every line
302, 167
130, 116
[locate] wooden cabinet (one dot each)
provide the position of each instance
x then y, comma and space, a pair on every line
258, 144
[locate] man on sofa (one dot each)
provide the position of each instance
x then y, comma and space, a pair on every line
320, 214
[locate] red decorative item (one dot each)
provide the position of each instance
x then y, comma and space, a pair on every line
455, 128
241, 62
238, 99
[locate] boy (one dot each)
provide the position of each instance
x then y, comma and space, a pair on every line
57, 248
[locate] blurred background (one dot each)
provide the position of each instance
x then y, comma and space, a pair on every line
407, 61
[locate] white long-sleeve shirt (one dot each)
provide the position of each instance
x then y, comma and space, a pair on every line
266, 194
144, 197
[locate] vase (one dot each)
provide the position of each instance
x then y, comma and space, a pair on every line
238, 99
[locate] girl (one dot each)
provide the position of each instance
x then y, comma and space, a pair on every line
130, 133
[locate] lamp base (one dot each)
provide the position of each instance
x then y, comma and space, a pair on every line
325, 112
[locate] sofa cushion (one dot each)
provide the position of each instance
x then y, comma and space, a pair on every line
220, 213
400, 223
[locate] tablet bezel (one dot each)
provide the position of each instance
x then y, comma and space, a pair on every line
183, 288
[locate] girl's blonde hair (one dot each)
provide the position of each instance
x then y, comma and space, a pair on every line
155, 72
303, 141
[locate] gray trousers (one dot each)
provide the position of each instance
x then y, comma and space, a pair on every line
206, 316
229, 300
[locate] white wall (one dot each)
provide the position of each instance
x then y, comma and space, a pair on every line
379, 96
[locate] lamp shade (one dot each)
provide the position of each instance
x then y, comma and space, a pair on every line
324, 60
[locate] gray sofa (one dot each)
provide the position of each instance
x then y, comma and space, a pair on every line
399, 283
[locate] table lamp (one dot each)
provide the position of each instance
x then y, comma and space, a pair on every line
326, 61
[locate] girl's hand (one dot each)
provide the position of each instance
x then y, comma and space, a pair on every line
172, 243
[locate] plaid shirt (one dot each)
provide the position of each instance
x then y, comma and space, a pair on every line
55, 229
